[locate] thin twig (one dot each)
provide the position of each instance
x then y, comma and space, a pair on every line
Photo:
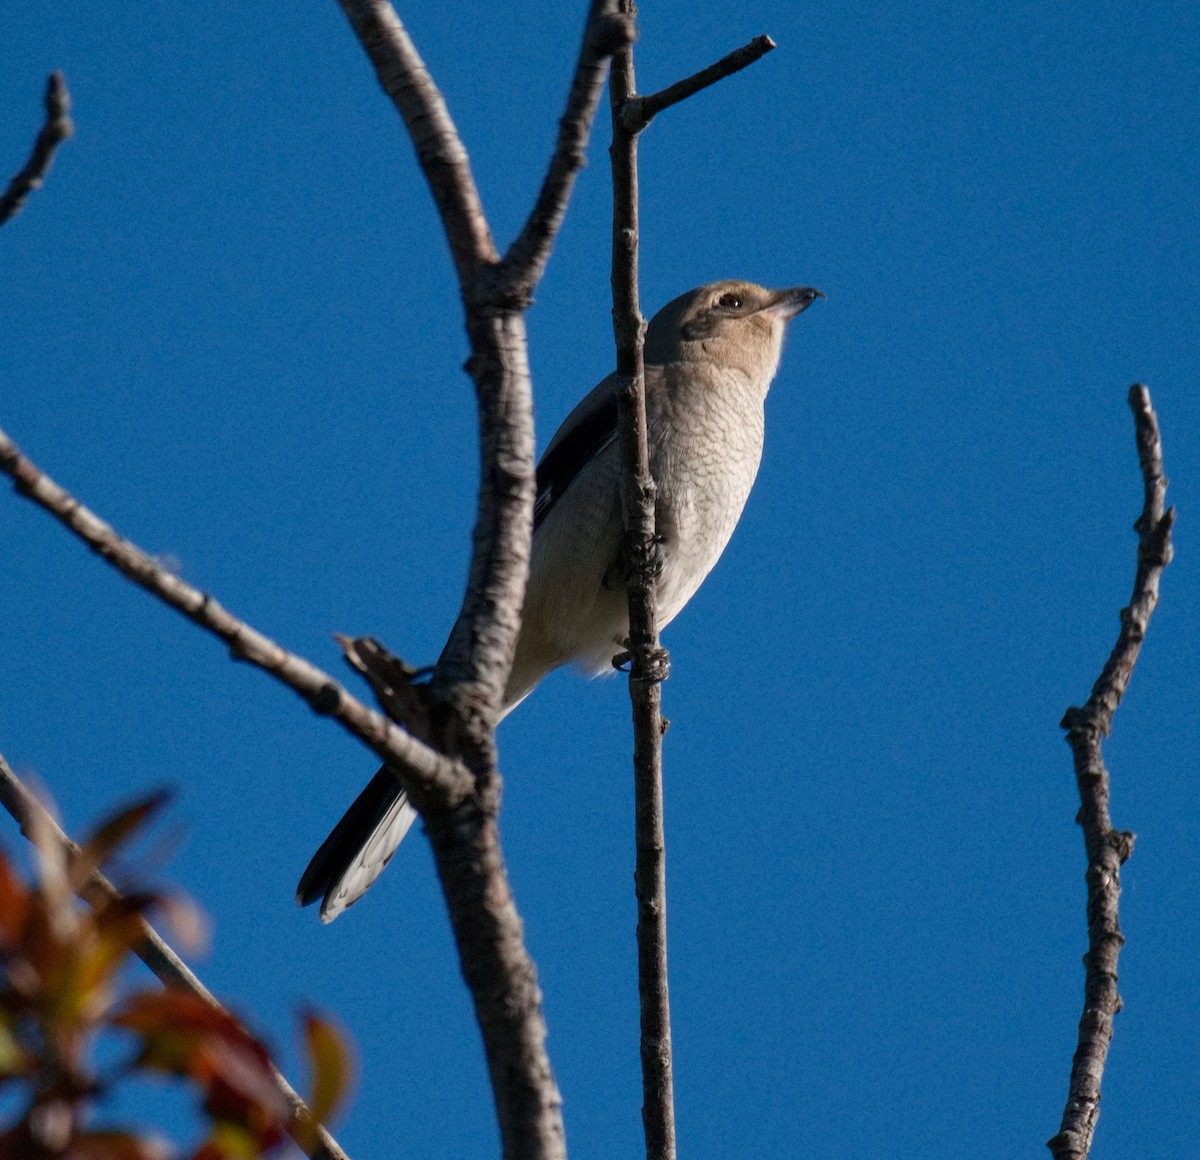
429, 776
637, 112
55, 130
153, 949
648, 660
607, 32
1107, 848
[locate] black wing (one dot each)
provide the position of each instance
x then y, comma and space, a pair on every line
570, 453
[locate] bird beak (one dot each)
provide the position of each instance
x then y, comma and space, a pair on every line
786, 304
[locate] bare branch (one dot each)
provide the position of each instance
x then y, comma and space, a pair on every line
648, 660
1154, 553
607, 31
473, 669
97, 891
638, 112
440, 150
55, 130
434, 780
1107, 848
469, 681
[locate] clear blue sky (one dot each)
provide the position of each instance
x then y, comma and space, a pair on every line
230, 325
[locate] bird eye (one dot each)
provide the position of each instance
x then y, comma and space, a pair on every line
730, 301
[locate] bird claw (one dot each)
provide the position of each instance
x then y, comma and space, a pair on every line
658, 557
657, 667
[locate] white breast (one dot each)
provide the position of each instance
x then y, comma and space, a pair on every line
704, 474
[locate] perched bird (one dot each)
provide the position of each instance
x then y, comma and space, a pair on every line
710, 357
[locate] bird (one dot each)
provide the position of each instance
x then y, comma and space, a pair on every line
710, 357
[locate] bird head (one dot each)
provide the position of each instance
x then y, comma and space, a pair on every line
730, 323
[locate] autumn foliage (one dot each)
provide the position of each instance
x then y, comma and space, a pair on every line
67, 1001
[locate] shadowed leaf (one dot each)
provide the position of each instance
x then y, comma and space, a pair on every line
112, 833
105, 1145
332, 1070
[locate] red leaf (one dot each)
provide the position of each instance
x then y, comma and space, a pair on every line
14, 903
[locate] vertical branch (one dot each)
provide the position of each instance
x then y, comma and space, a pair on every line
496, 964
1108, 848
648, 661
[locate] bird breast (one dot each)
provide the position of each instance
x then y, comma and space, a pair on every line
704, 461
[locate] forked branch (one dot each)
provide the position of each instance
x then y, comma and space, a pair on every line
1107, 848
471, 675
637, 112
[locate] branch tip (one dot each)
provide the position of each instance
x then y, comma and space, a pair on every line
1108, 848
637, 112
56, 128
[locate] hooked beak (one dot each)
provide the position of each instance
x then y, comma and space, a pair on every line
786, 304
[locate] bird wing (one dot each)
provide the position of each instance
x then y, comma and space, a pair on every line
584, 434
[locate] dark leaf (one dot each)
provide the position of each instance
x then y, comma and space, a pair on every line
112, 833
14, 903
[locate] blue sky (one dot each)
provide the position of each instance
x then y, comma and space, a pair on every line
231, 327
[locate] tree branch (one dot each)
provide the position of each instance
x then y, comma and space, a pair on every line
440, 151
164, 963
55, 130
607, 32
637, 112
1107, 848
649, 663
469, 680
433, 780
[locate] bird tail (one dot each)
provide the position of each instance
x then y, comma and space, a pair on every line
358, 848
363, 842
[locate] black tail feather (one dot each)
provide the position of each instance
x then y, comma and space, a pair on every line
340, 850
